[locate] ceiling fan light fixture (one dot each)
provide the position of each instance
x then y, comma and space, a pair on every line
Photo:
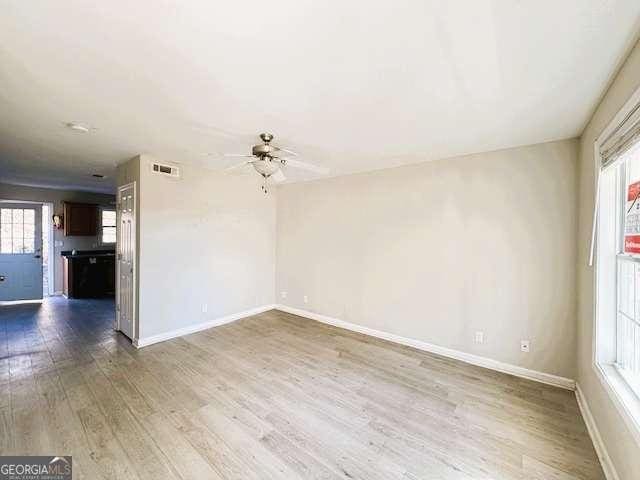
265, 167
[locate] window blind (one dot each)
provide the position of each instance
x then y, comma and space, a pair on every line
611, 149
621, 139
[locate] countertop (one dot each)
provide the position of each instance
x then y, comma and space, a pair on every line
88, 253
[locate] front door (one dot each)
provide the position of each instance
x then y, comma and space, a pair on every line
126, 258
20, 251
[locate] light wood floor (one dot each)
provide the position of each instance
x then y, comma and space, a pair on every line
272, 396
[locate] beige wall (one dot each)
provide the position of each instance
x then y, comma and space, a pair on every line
206, 238
620, 444
440, 250
57, 197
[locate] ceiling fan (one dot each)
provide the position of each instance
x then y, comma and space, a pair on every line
266, 159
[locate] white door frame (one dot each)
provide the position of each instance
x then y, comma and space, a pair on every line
135, 261
51, 253
52, 263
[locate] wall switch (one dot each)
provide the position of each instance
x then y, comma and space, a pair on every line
283, 294
306, 299
205, 308
479, 337
58, 243
525, 346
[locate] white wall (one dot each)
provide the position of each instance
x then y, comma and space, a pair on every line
439, 250
620, 444
57, 197
206, 238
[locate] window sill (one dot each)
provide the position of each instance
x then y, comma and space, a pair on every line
626, 401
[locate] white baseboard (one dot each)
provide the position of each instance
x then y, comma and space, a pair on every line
542, 377
161, 337
20, 302
596, 439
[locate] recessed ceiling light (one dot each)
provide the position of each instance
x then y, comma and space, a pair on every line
77, 127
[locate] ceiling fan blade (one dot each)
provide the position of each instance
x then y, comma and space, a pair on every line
280, 149
213, 130
291, 162
237, 155
237, 166
278, 177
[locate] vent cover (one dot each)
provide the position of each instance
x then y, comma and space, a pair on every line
166, 170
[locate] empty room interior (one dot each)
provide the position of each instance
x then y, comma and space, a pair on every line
320, 240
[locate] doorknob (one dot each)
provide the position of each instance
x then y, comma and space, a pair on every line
2, 278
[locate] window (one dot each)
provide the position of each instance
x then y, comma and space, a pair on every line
627, 340
17, 230
108, 226
618, 266
617, 263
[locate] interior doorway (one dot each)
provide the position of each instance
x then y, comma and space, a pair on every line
126, 260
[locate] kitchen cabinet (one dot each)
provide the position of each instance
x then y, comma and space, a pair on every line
89, 274
80, 219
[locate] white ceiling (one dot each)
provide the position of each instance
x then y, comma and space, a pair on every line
352, 86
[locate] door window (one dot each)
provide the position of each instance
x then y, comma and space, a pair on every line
17, 230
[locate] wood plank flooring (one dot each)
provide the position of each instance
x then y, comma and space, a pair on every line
271, 396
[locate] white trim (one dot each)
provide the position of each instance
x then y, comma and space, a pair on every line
51, 278
625, 400
111, 208
596, 439
19, 302
522, 372
161, 337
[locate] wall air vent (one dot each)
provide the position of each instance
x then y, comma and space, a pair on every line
167, 170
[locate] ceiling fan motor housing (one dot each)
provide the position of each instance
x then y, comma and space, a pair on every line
263, 149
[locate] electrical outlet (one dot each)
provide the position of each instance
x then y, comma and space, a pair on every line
525, 346
479, 337
283, 294
306, 299
205, 308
